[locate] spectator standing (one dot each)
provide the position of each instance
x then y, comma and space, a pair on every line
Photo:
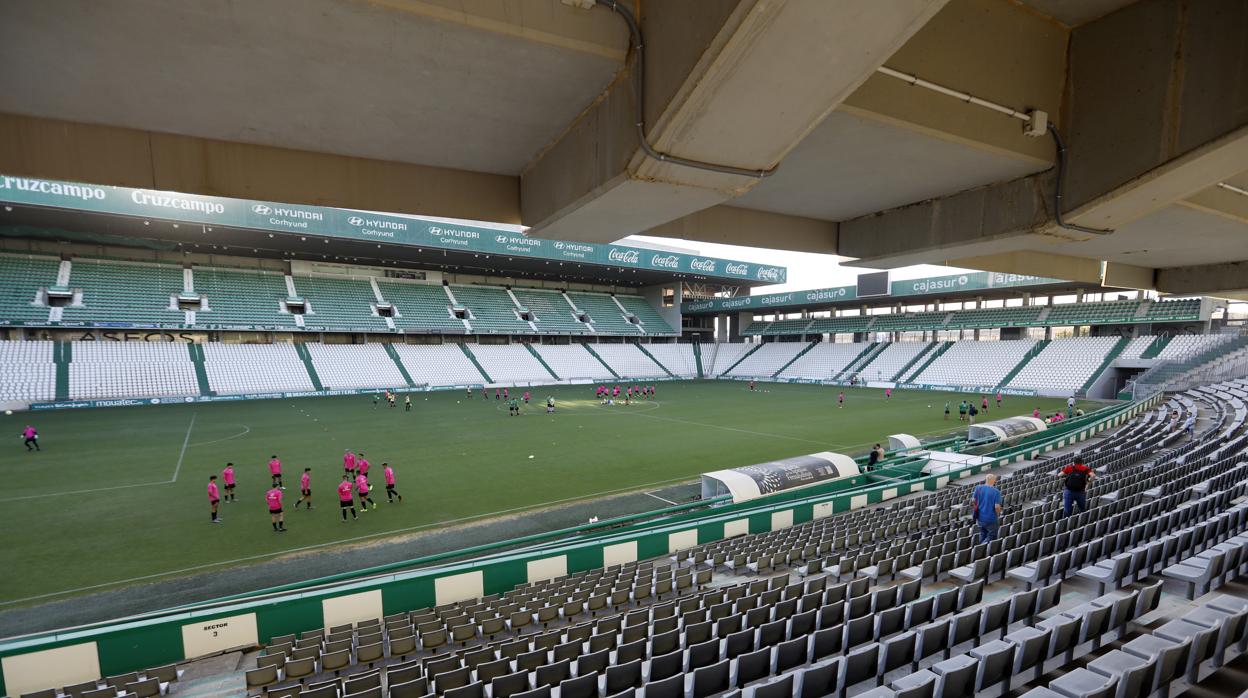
1075, 478
986, 503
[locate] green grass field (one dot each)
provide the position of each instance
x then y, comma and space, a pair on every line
118, 496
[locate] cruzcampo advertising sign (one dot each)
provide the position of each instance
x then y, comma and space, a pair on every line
909, 288
362, 225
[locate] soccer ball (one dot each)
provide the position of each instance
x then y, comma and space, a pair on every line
530, 455
8, 413
929, 407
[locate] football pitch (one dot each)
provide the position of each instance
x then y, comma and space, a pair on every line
118, 496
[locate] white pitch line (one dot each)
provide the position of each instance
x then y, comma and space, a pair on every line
355, 539
98, 489
246, 430
182, 453
651, 494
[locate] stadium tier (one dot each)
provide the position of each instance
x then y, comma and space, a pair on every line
678, 359
335, 303
628, 361
113, 293
980, 364
877, 599
24, 280
511, 364
605, 314
39, 372
1060, 315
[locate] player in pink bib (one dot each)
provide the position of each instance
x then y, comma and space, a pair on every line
361, 488
345, 499
274, 499
227, 476
305, 489
214, 497
348, 461
275, 469
361, 465
391, 493
30, 438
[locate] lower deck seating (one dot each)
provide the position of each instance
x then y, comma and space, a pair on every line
628, 361
254, 368
438, 364
824, 360
510, 363
27, 373
677, 358
573, 361
833, 606
768, 359
355, 366
130, 369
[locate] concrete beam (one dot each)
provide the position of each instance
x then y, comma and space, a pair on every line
1055, 266
734, 82
1229, 279
967, 46
729, 225
1156, 113
79, 152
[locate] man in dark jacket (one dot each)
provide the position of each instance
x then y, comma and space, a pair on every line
1075, 479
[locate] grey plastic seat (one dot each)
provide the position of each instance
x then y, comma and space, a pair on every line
670, 687
918, 684
664, 666
994, 617
861, 664
896, 652
753, 666
996, 661
1134, 674
1107, 573
472, 690
1032, 649
780, 688
709, 680
791, 654
930, 639
1064, 635
957, 676
821, 679
585, 686
1081, 683
1170, 657
623, 676
1202, 643
963, 627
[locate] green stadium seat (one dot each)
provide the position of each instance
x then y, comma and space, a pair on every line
130, 292
241, 298
21, 279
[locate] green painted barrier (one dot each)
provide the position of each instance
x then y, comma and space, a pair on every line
463, 346
541, 361
62, 355
306, 358
398, 362
600, 359
655, 360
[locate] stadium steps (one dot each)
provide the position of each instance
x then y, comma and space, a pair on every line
942, 348
655, 360
809, 346
1031, 354
394, 356
744, 356
862, 359
697, 357
600, 360
201, 372
917, 358
1109, 359
473, 358
62, 354
542, 361
306, 358
1158, 345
